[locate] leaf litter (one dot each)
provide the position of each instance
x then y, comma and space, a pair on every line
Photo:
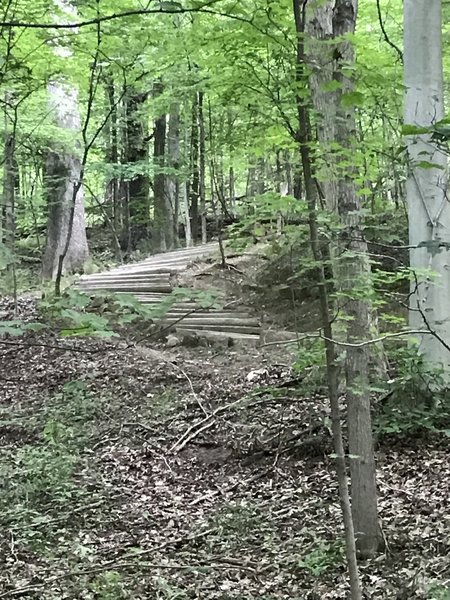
135, 472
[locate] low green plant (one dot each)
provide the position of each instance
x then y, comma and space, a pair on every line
39, 478
439, 592
166, 591
322, 558
418, 398
40, 475
239, 519
310, 363
109, 586
103, 314
258, 218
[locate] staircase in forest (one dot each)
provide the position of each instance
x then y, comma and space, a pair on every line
152, 281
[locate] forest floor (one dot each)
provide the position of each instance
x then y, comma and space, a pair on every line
134, 472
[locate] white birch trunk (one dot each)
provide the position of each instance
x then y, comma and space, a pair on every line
426, 188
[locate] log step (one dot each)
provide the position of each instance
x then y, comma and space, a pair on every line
216, 327
216, 336
151, 282
177, 313
217, 320
127, 287
127, 278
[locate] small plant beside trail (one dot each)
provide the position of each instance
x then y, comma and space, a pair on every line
417, 400
104, 314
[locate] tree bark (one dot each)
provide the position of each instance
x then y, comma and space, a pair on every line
327, 112
9, 192
113, 155
195, 169
64, 192
162, 227
172, 180
202, 166
321, 255
426, 188
137, 137
353, 273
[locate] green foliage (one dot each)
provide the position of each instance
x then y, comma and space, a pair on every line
17, 328
322, 558
310, 362
7, 257
259, 218
109, 586
167, 591
439, 592
39, 475
418, 400
238, 519
105, 314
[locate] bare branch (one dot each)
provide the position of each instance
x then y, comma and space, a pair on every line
114, 16
385, 35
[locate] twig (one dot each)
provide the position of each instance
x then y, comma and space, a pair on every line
51, 346
382, 338
385, 35
107, 564
59, 519
230, 488
191, 385
194, 430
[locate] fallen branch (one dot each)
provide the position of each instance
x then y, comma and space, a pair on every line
194, 430
230, 488
52, 347
227, 564
125, 561
320, 336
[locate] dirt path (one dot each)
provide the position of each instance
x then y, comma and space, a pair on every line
135, 473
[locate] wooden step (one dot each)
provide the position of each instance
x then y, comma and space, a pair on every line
243, 339
218, 320
217, 327
127, 287
199, 314
126, 278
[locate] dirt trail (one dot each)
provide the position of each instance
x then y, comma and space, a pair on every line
137, 473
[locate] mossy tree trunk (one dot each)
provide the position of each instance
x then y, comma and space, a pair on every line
66, 225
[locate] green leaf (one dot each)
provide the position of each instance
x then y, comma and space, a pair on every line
351, 99
331, 86
414, 130
425, 164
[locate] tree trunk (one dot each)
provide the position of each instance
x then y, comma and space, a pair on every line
113, 156
187, 216
232, 190
250, 190
320, 251
162, 226
137, 161
9, 192
353, 272
288, 171
195, 169
202, 166
426, 188
173, 181
327, 100
64, 192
